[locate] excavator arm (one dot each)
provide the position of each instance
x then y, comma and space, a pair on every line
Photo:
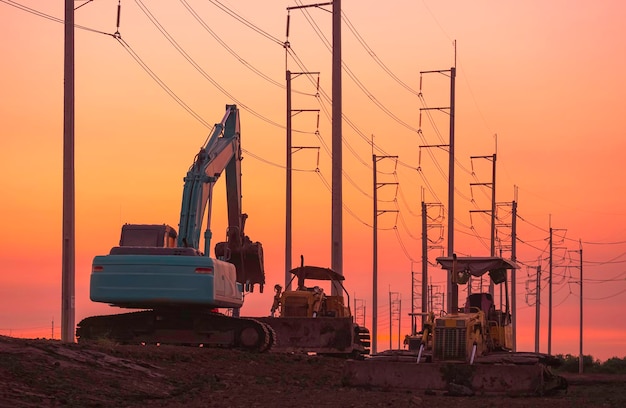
221, 153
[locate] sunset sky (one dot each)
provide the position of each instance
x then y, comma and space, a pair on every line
539, 83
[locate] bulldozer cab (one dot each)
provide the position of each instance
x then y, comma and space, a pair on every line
310, 299
479, 301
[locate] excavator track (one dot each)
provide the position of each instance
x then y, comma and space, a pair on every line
179, 327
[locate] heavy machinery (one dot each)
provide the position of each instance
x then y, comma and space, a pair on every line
468, 348
179, 286
307, 319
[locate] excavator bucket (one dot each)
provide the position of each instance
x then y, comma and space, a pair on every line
248, 261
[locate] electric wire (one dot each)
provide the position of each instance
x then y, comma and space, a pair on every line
198, 68
51, 18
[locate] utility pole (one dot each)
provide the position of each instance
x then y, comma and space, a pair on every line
550, 297
289, 170
336, 204
492, 185
424, 263
452, 289
69, 212
375, 160
288, 200
337, 220
537, 307
580, 354
513, 272
375, 264
552, 230
395, 313
425, 248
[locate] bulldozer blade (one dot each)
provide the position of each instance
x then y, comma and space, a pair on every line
454, 378
322, 335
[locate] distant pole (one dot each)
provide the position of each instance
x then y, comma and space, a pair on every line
493, 223
550, 298
514, 274
537, 307
580, 354
390, 320
424, 263
68, 244
399, 319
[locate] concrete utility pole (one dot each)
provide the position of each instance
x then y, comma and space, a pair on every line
337, 216
68, 244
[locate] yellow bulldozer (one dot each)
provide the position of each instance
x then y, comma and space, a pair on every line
308, 319
467, 350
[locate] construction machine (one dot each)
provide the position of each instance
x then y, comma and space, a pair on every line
179, 287
308, 319
468, 348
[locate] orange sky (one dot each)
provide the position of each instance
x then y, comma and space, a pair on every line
546, 77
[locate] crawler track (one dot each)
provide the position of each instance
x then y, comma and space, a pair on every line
179, 327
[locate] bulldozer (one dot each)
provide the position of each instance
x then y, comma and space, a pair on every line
467, 350
309, 320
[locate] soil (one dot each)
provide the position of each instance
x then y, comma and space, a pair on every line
48, 373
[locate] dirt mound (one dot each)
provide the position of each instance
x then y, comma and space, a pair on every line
48, 373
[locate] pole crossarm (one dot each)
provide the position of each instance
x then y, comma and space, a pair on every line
437, 71
303, 110
318, 5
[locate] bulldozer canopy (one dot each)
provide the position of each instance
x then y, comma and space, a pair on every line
316, 273
476, 266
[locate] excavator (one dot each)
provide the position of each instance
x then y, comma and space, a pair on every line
467, 350
178, 287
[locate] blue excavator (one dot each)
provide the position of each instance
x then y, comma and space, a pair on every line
178, 288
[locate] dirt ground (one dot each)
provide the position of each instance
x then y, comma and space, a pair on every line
48, 373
